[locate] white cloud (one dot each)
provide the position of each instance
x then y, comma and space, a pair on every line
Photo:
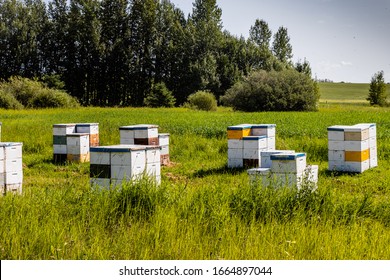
346, 63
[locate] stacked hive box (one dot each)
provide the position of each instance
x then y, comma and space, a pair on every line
352, 148
114, 165
163, 141
142, 134
77, 147
147, 135
11, 169
247, 141
287, 169
72, 141
92, 129
60, 132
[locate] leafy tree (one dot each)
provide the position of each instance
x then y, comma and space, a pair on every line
260, 34
285, 90
377, 94
281, 47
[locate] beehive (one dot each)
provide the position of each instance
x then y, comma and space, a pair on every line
266, 157
11, 168
267, 178
352, 148
163, 140
141, 134
114, 165
59, 141
92, 129
64, 151
77, 147
247, 141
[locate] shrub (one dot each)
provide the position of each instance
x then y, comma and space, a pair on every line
8, 101
286, 90
49, 98
34, 94
160, 96
202, 100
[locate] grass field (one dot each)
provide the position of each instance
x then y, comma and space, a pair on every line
345, 92
202, 210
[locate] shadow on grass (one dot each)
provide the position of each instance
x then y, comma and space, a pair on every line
218, 171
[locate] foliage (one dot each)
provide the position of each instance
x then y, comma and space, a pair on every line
160, 96
34, 94
111, 53
260, 34
377, 94
202, 100
287, 90
8, 101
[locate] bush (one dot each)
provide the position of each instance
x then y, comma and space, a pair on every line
8, 101
286, 90
202, 100
49, 98
160, 96
34, 94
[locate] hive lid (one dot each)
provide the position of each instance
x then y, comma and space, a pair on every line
285, 156
118, 148
263, 125
76, 134
259, 170
10, 144
240, 127
64, 124
87, 124
338, 127
138, 127
254, 138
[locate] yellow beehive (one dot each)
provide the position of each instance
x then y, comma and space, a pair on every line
357, 156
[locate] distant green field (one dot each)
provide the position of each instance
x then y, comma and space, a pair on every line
345, 92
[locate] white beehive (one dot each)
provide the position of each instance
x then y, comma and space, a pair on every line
288, 163
266, 157
141, 134
77, 147
163, 140
11, 167
113, 165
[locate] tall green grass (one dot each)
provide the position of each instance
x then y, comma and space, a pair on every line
202, 210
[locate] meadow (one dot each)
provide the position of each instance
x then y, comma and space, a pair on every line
202, 210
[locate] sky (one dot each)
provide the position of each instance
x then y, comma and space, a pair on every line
343, 40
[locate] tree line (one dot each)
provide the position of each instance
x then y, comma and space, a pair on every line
113, 52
